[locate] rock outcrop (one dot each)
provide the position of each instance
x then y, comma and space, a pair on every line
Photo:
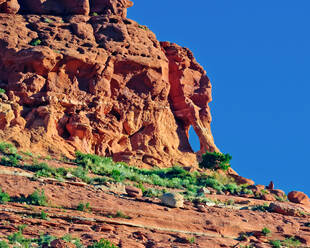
98, 83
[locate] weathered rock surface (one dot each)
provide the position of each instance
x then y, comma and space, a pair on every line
286, 209
133, 191
99, 84
65, 7
298, 197
174, 200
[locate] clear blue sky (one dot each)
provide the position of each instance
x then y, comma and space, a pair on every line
257, 55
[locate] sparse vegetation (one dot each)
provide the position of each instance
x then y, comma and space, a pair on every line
47, 20
94, 14
143, 27
44, 216
290, 242
191, 240
4, 197
262, 208
120, 214
4, 244
2, 91
266, 231
36, 198
102, 244
84, 207
215, 161
35, 42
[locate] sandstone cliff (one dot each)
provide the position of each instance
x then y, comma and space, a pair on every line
79, 75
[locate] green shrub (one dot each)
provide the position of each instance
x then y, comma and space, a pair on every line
35, 42
84, 207
10, 160
4, 197
143, 27
45, 240
120, 214
262, 208
4, 244
36, 198
291, 242
265, 231
47, 20
275, 243
102, 244
215, 160
2, 90
18, 238
7, 148
44, 216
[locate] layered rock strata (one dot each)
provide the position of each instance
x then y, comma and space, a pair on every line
98, 83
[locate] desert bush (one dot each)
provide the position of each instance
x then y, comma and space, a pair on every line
215, 160
36, 198
102, 244
35, 42
265, 231
4, 197
4, 244
84, 207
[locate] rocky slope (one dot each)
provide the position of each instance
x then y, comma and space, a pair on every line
79, 75
73, 209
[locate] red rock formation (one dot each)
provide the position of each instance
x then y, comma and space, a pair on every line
99, 84
298, 197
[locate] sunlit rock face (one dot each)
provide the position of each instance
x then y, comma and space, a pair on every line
81, 76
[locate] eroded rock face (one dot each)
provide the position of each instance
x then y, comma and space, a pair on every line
100, 84
65, 7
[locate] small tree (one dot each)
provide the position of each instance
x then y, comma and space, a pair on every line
215, 161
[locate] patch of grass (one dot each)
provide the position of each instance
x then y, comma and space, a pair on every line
36, 198
281, 199
18, 237
266, 231
264, 192
275, 243
2, 91
45, 240
84, 207
262, 208
102, 244
47, 20
44, 216
120, 214
7, 148
35, 42
247, 191
191, 240
215, 161
143, 27
4, 244
290, 242
4, 197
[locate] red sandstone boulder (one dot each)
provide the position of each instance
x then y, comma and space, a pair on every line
242, 180
268, 197
9, 6
298, 197
133, 191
